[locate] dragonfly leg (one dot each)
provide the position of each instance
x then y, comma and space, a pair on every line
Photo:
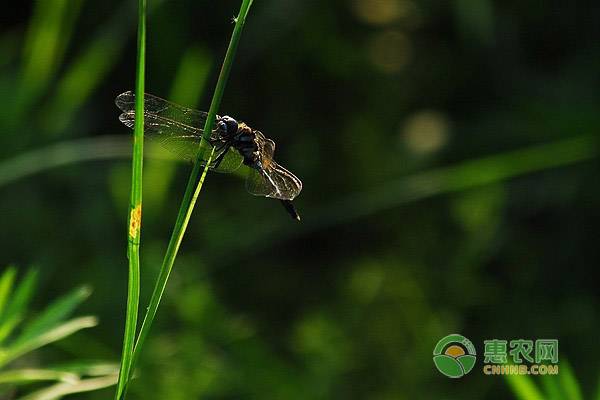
218, 160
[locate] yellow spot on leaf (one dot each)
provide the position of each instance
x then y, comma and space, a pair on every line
135, 221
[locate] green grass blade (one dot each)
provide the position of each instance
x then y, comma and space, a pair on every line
88, 70
135, 211
18, 302
59, 332
8, 326
47, 39
461, 176
59, 310
88, 368
6, 283
72, 152
568, 382
194, 185
62, 389
524, 388
192, 75
24, 376
552, 388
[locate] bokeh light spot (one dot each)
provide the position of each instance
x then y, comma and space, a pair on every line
381, 12
425, 132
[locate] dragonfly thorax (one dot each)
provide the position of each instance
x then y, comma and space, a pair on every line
245, 143
241, 137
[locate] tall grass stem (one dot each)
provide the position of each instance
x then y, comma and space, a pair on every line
134, 222
193, 188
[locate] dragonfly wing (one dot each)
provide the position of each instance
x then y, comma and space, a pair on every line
266, 149
180, 139
229, 161
257, 184
275, 182
163, 108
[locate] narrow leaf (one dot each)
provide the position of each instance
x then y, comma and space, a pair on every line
53, 335
62, 389
23, 376
552, 388
6, 283
59, 310
18, 302
524, 388
569, 382
8, 326
88, 368
135, 209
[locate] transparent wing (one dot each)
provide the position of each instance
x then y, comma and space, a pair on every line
178, 129
163, 108
271, 180
229, 161
183, 140
266, 149
275, 182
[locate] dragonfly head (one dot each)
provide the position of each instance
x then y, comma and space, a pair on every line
228, 126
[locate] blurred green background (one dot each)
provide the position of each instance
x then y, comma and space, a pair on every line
448, 155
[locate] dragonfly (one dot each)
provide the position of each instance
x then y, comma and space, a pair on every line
180, 130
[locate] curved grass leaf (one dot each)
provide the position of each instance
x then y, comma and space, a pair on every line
134, 221
568, 382
18, 302
563, 386
55, 313
88, 368
6, 283
86, 72
48, 36
62, 389
24, 376
70, 152
8, 326
59, 332
524, 388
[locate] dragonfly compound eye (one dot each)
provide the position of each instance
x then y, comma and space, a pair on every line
230, 125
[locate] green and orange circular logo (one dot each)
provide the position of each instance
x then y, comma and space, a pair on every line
454, 356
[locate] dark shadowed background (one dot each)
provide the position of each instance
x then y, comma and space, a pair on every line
449, 158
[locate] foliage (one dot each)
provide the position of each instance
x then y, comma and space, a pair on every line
562, 387
21, 334
448, 156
